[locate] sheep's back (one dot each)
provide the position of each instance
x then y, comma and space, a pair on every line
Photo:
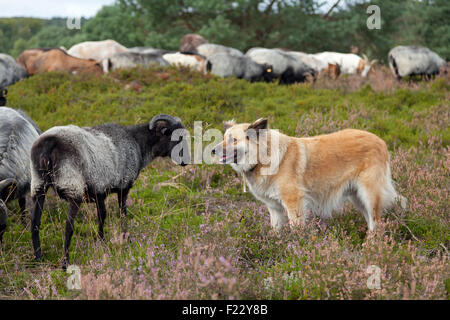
415, 60
97, 162
226, 65
271, 57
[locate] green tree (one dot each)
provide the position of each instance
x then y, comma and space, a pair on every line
293, 24
115, 22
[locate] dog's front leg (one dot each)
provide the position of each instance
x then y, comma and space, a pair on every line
278, 217
293, 203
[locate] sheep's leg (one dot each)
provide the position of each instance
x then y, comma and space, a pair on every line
38, 201
122, 197
74, 206
3, 219
2, 231
23, 213
101, 213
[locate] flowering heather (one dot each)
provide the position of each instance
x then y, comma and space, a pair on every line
194, 234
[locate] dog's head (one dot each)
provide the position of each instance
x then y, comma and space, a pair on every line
240, 144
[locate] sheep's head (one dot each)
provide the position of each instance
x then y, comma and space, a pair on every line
268, 74
3, 93
170, 139
365, 65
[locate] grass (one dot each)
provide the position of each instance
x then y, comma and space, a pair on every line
195, 235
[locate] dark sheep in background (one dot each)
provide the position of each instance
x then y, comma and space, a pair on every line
87, 164
3, 93
285, 66
10, 73
17, 134
242, 67
414, 60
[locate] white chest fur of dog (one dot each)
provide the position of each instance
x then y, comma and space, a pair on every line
312, 175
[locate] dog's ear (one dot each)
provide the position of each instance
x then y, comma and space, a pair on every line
253, 130
259, 124
229, 124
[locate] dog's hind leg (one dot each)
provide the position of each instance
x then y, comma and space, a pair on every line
362, 200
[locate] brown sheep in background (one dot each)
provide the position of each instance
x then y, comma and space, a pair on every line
53, 59
190, 42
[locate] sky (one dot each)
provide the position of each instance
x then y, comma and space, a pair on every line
63, 8
51, 8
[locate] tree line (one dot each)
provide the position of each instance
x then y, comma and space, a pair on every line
302, 25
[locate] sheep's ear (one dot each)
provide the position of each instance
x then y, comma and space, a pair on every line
228, 124
259, 124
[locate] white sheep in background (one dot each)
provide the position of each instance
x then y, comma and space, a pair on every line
97, 50
191, 60
208, 49
349, 63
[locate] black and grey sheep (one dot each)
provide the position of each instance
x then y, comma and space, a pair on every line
10, 73
3, 93
242, 67
288, 68
17, 134
414, 60
87, 164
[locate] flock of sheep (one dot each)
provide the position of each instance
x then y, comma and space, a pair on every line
195, 52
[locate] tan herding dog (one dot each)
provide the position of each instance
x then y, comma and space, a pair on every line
315, 174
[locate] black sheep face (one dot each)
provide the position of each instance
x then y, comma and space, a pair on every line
3, 93
268, 75
174, 146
